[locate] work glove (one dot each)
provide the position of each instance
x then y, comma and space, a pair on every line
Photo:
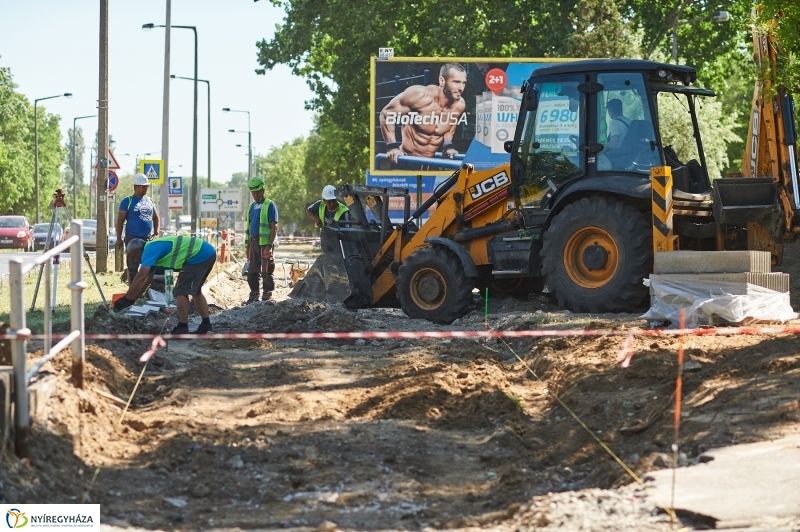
123, 303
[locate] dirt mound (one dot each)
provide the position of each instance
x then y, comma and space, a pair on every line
290, 315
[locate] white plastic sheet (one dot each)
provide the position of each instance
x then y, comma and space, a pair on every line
714, 304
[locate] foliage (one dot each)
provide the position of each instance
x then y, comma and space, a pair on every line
782, 20
716, 130
286, 181
16, 152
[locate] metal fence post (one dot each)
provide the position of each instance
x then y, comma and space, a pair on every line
21, 414
77, 285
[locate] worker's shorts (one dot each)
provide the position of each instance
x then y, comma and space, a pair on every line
192, 277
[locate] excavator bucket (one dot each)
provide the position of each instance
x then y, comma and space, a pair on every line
338, 274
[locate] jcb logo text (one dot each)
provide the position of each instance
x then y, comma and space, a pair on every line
488, 184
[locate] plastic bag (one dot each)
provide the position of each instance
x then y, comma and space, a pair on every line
715, 303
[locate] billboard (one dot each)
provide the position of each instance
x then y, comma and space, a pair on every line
430, 115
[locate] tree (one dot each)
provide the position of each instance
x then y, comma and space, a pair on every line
286, 180
16, 152
781, 19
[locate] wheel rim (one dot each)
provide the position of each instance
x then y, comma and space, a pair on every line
591, 257
428, 289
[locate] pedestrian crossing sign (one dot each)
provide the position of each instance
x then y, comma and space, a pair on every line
153, 169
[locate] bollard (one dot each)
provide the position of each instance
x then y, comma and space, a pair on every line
223, 250
77, 286
21, 414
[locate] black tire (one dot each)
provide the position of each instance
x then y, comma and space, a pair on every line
596, 253
431, 284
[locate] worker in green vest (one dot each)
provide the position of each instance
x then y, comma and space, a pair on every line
328, 209
262, 227
193, 257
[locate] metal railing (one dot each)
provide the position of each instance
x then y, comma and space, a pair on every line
75, 338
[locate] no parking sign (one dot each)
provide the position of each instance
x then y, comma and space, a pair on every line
113, 181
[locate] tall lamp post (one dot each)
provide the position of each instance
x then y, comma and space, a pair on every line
195, 195
716, 16
36, 147
208, 89
75, 164
249, 140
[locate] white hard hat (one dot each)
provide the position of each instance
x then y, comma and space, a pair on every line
141, 179
329, 193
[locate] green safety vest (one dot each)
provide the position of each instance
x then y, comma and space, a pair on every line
264, 227
183, 248
341, 208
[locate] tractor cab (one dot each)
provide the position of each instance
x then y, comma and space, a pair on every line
596, 126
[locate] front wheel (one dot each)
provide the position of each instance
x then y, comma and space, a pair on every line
431, 284
595, 255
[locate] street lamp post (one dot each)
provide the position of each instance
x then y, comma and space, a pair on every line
208, 88
716, 16
75, 164
195, 196
36, 148
249, 143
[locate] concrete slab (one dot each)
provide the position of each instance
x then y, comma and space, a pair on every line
733, 283
713, 262
755, 484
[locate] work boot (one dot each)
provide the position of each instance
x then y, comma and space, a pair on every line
252, 299
203, 328
181, 328
266, 296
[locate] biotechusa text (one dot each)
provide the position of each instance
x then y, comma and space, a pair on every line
393, 118
61, 519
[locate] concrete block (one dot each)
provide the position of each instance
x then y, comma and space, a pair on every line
669, 262
6, 421
735, 283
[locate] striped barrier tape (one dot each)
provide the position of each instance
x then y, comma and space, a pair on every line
413, 335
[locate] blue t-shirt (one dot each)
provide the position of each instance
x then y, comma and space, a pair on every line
255, 215
158, 249
139, 216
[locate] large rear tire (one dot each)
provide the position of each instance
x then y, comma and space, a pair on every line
431, 284
596, 253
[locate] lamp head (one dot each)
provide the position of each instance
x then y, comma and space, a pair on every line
231, 131
172, 76
226, 109
67, 95
147, 27
720, 16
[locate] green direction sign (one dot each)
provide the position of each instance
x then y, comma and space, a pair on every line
209, 196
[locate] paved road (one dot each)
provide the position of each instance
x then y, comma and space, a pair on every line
5, 257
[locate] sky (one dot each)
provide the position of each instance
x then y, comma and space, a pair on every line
51, 47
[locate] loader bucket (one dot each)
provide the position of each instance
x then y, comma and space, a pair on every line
742, 200
335, 276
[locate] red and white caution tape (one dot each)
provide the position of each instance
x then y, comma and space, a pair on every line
415, 335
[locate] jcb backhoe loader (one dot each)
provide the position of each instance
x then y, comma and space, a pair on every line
572, 210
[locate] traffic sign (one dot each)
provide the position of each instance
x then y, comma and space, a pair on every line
220, 200
175, 185
153, 169
175, 202
113, 181
112, 161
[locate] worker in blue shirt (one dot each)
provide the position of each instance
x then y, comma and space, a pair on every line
139, 216
192, 256
262, 228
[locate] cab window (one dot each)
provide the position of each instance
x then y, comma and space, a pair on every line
625, 125
548, 151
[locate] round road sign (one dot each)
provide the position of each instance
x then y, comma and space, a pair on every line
113, 181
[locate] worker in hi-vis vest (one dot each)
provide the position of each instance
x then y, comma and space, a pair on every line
328, 209
262, 227
193, 257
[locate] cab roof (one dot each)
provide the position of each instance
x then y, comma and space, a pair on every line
684, 73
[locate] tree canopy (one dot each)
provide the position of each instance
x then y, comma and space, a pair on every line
16, 152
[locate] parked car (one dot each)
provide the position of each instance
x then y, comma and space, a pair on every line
40, 232
16, 233
89, 233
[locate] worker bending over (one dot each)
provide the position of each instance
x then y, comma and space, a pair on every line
193, 257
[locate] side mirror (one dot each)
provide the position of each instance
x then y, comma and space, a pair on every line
508, 146
530, 100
